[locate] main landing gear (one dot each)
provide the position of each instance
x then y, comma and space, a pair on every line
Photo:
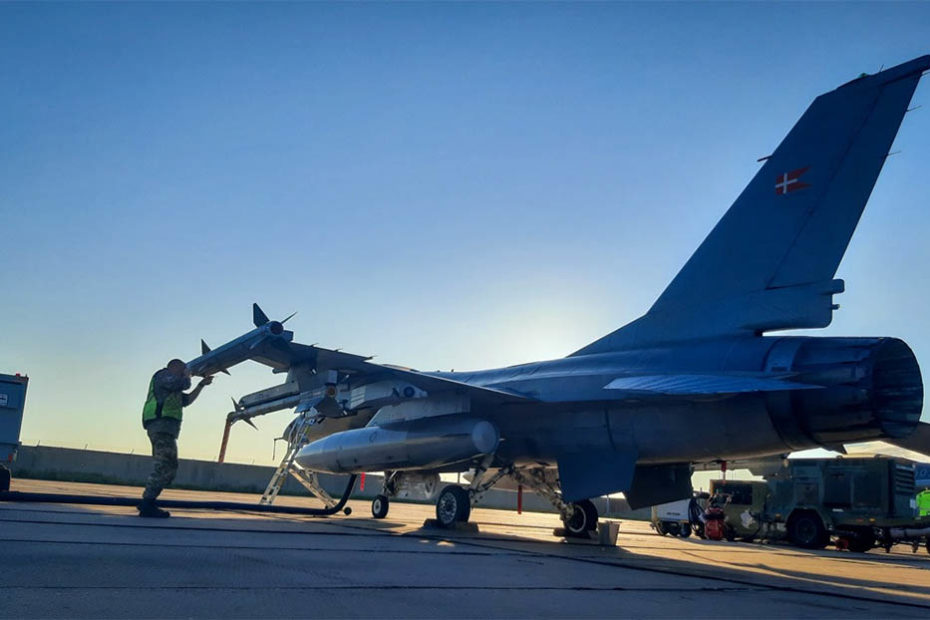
580, 518
454, 504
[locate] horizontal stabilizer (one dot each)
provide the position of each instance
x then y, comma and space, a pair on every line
918, 441
683, 385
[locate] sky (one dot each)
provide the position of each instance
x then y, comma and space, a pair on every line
442, 185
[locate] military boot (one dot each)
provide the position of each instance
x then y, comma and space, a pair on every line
149, 510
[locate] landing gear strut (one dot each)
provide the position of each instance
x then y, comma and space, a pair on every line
580, 518
454, 503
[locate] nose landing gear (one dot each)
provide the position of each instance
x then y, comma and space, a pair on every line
380, 506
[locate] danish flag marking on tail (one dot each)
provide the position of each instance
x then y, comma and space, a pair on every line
790, 181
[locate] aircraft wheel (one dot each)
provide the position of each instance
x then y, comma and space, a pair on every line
805, 529
380, 506
583, 519
4, 478
660, 528
674, 528
685, 530
453, 506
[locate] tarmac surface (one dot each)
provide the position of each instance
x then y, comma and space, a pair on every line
105, 562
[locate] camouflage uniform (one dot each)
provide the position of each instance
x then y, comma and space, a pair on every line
163, 433
165, 453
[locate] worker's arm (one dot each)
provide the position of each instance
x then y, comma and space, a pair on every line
191, 396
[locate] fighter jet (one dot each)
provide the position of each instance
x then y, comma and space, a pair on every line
699, 378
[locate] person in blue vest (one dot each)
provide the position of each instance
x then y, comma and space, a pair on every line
161, 418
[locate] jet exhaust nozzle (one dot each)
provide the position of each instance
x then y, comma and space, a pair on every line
873, 390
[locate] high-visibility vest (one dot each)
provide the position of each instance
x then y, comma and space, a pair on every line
923, 503
171, 407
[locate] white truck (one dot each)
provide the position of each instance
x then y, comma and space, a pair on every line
675, 518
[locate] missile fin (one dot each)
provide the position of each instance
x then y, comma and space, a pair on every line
225, 372
204, 347
249, 422
258, 316
291, 316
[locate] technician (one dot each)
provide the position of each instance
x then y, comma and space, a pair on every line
161, 417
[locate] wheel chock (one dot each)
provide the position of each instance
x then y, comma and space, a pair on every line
467, 526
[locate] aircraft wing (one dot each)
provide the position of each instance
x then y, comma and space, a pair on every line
918, 441
281, 355
272, 345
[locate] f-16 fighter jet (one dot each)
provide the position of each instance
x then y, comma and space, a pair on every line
694, 380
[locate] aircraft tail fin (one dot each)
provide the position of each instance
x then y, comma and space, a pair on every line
770, 261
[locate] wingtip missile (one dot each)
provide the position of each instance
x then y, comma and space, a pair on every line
240, 349
204, 349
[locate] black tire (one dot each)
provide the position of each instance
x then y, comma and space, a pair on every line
685, 530
583, 519
673, 527
862, 540
729, 533
660, 528
590, 512
453, 506
380, 506
5, 478
806, 530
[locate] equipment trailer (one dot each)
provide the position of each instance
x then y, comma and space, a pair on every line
12, 402
861, 502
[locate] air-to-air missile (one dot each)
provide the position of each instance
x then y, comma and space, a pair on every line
242, 348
